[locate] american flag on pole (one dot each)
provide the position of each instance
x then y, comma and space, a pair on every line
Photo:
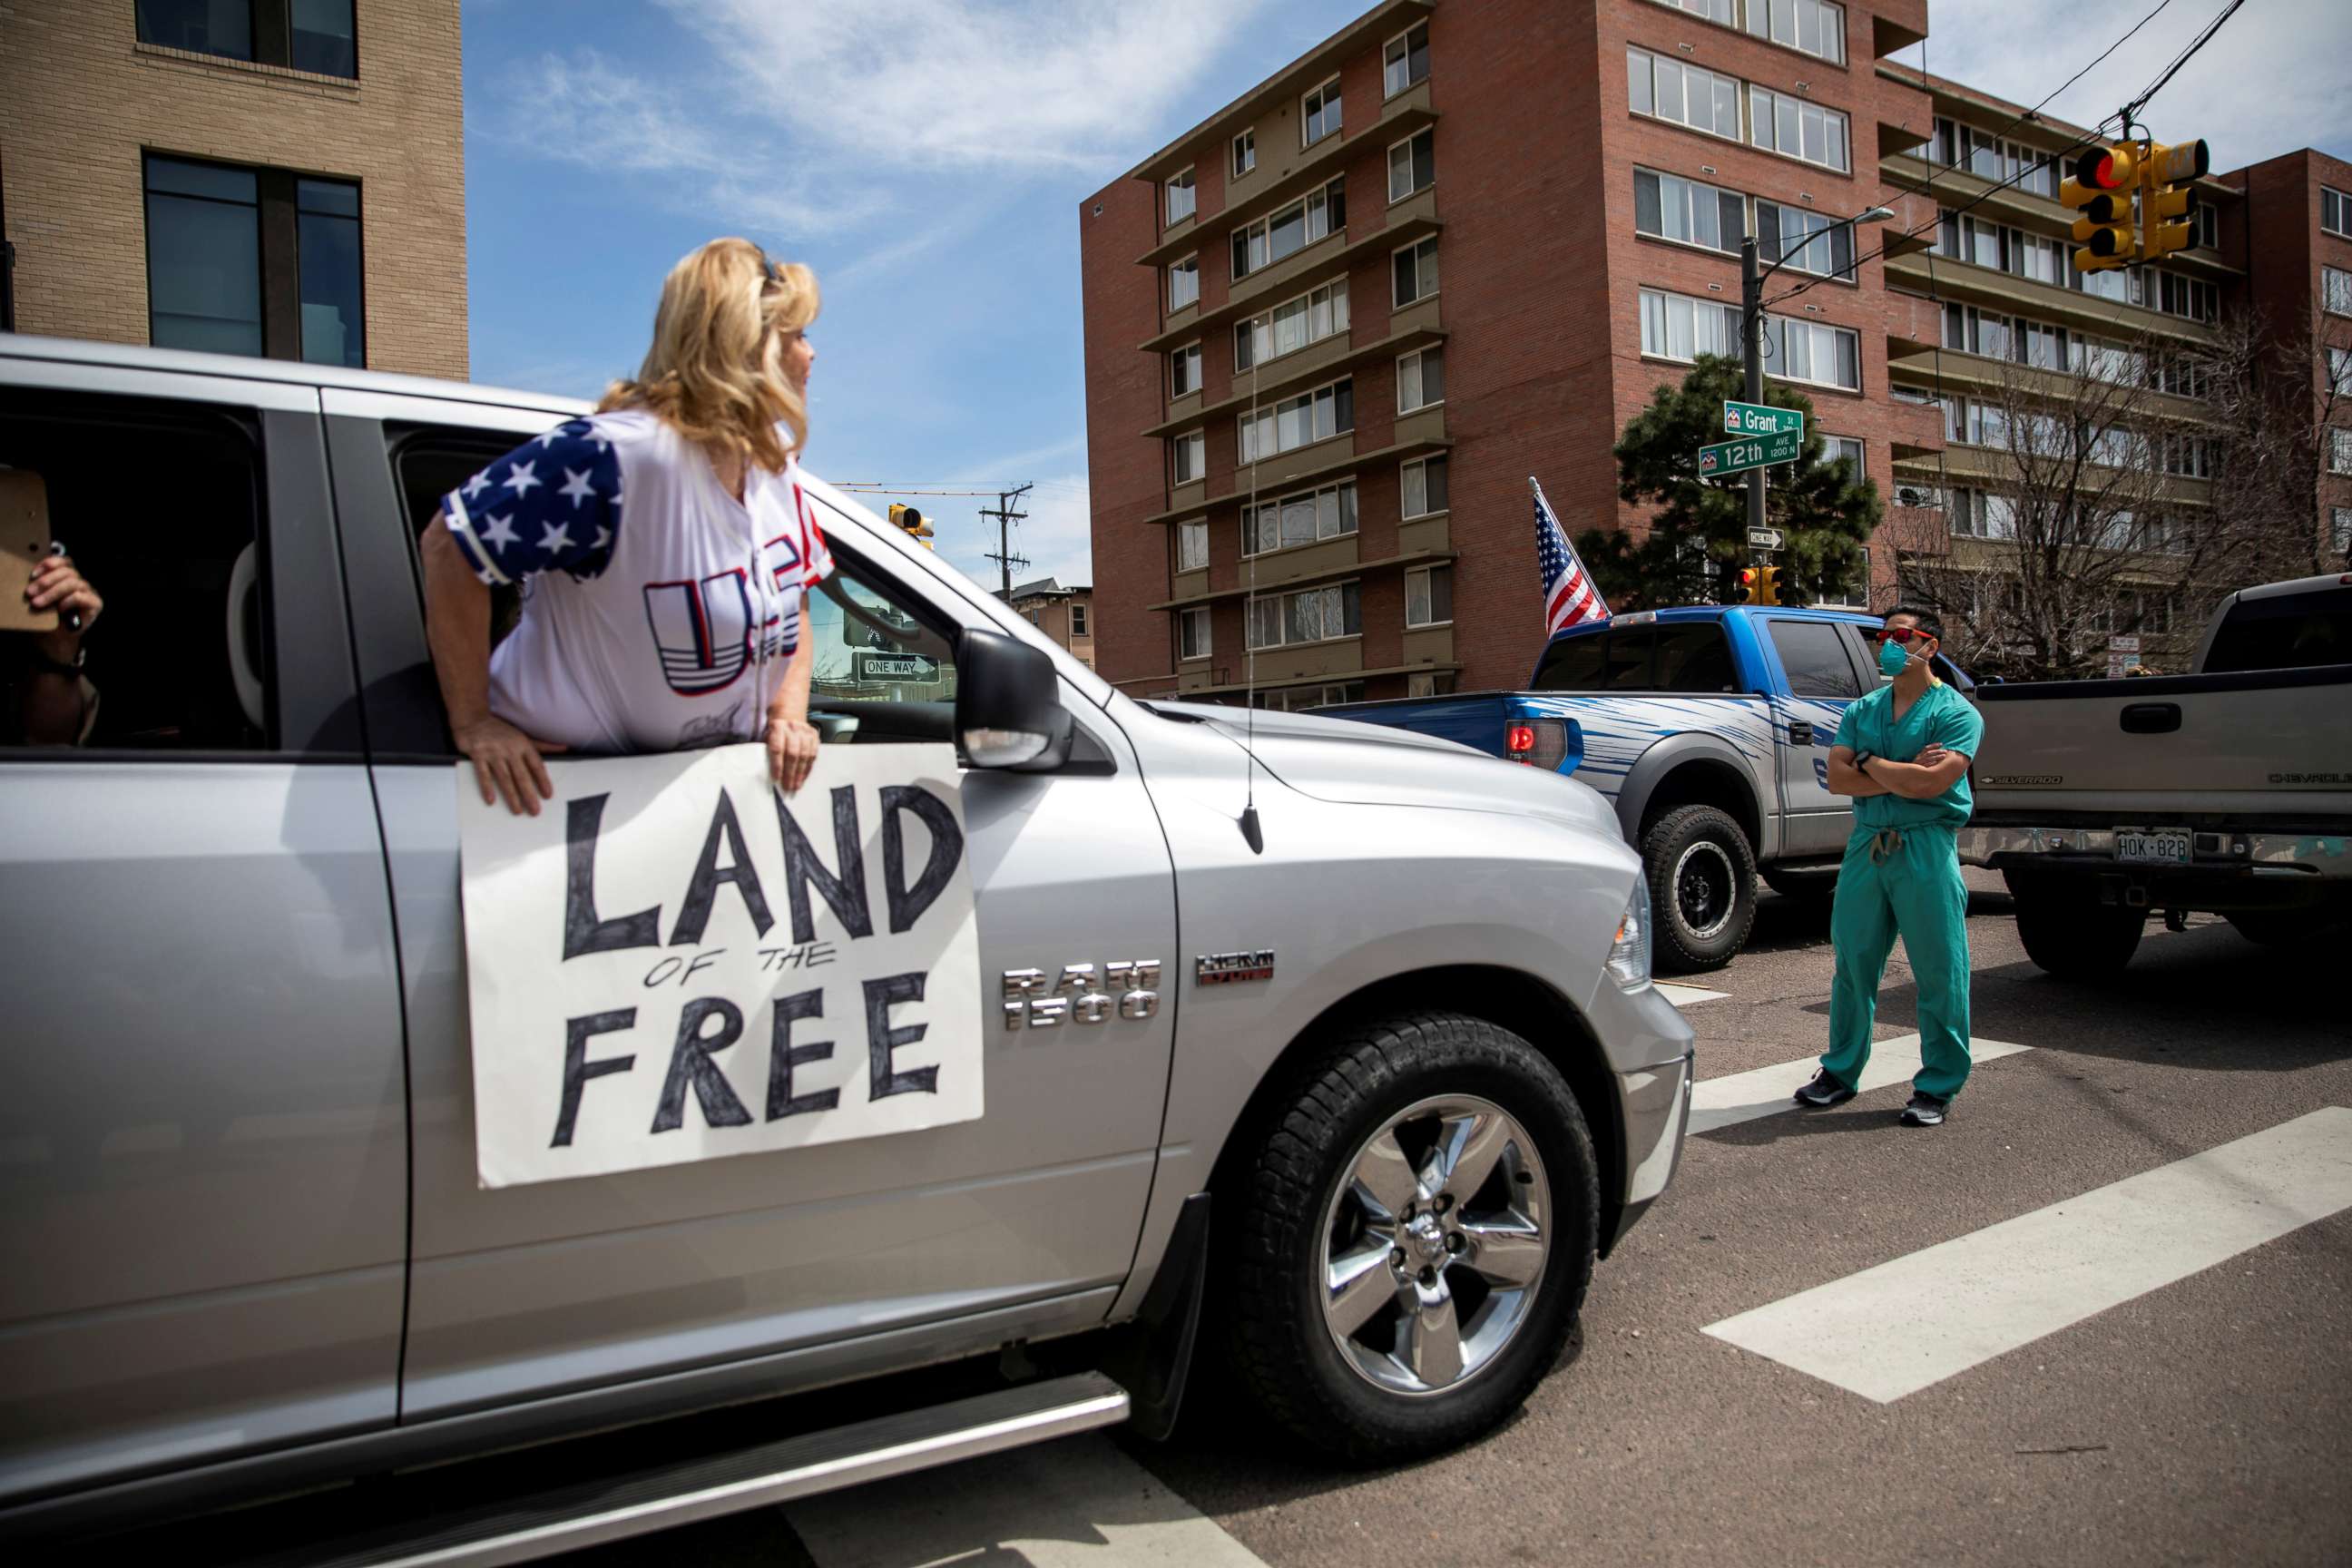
1570, 598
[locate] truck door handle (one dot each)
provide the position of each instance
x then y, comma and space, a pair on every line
2151, 717
1800, 733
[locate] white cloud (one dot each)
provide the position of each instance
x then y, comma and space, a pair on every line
2261, 87
1049, 84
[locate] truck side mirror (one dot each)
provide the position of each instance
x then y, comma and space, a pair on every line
1008, 705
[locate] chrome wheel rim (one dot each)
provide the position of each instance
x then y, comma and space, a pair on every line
1434, 1245
1704, 889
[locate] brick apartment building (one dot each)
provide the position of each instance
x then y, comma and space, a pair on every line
1064, 612
283, 178
1267, 287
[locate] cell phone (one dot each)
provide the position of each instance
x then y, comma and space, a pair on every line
23, 544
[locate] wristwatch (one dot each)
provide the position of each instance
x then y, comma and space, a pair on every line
1862, 759
48, 665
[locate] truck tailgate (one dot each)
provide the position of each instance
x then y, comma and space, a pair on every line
2274, 744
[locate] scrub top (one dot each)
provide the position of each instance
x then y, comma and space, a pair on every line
1942, 716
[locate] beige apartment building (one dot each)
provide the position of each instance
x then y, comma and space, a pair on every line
282, 178
1064, 612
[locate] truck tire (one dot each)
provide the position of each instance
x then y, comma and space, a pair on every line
1810, 884
2068, 932
1454, 1303
1702, 888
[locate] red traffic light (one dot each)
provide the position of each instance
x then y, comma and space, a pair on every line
2108, 168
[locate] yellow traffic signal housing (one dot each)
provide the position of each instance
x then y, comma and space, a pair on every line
2168, 202
1771, 587
911, 522
2100, 192
1751, 582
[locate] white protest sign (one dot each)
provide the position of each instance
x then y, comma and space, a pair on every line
674, 962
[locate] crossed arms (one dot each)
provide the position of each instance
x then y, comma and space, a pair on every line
1934, 771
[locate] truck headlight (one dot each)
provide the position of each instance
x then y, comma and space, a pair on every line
1629, 955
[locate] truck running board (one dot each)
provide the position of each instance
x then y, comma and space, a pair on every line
663, 1497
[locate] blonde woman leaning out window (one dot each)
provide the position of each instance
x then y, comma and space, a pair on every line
674, 623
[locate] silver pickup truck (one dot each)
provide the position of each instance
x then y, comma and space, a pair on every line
1405, 1076
2227, 790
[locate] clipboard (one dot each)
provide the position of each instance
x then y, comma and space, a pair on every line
23, 544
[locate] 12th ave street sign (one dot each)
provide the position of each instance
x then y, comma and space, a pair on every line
1755, 452
1756, 419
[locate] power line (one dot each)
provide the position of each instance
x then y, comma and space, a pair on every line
2136, 104
1006, 518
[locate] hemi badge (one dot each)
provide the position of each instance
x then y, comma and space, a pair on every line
1233, 968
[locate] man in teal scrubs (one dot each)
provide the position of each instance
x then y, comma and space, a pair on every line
1902, 753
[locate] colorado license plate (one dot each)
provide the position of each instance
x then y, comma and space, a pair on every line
2157, 848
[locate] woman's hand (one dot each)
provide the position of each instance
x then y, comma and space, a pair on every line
58, 585
507, 763
791, 751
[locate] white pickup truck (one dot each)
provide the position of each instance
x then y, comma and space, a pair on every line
2227, 790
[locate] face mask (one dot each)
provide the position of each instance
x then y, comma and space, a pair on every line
1893, 658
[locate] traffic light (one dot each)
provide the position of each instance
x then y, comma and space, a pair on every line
2101, 192
2167, 201
1771, 586
913, 523
1760, 585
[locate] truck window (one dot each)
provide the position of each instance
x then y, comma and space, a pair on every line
429, 463
1813, 654
1572, 664
160, 505
2286, 631
1695, 658
1628, 663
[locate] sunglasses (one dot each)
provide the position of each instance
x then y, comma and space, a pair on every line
1899, 636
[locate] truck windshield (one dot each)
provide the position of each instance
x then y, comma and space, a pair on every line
1693, 657
2285, 632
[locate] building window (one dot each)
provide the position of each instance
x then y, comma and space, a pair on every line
1406, 60
1855, 596
2121, 284
1980, 514
1422, 487
1676, 327
1307, 518
2335, 289
1987, 157
2340, 524
1815, 26
1812, 351
2334, 211
1416, 272
1687, 95
1079, 619
1429, 597
1271, 240
1429, 685
1189, 457
1192, 546
2191, 297
1292, 325
1317, 615
1184, 371
212, 284
1670, 207
1298, 698
1721, 11
315, 35
1181, 197
2339, 372
1798, 128
2339, 451
1412, 165
2208, 226
1184, 283
1245, 153
1319, 113
1805, 241
1421, 379
1192, 633
1300, 421
2188, 457
1846, 449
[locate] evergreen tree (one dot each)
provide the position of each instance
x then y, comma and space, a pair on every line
1697, 541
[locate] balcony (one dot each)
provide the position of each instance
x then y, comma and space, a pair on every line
1309, 366
1966, 283
1419, 435
1920, 367
1303, 567
1408, 220
2036, 214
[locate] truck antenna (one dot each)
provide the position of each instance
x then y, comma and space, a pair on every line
1251, 832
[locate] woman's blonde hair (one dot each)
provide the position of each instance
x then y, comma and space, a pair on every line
715, 371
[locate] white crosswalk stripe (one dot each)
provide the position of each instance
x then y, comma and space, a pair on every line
1895, 1329
1077, 1503
1765, 1092
1688, 995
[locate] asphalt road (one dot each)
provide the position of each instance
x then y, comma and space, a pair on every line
2205, 1417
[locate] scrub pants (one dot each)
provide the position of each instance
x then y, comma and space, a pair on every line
1906, 880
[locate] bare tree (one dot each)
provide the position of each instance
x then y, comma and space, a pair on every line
2084, 503
2275, 442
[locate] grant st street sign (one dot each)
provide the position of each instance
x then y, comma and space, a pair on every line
1757, 420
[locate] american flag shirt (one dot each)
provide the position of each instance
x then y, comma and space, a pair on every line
664, 627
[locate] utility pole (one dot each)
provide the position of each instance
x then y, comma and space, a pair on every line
1006, 518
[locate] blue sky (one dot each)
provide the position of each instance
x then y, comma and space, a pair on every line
927, 157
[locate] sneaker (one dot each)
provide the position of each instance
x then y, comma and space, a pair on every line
1924, 1110
1824, 1090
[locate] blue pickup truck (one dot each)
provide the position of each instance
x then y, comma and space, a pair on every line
1708, 730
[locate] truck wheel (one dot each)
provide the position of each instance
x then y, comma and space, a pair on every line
1408, 1245
2068, 932
1702, 885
